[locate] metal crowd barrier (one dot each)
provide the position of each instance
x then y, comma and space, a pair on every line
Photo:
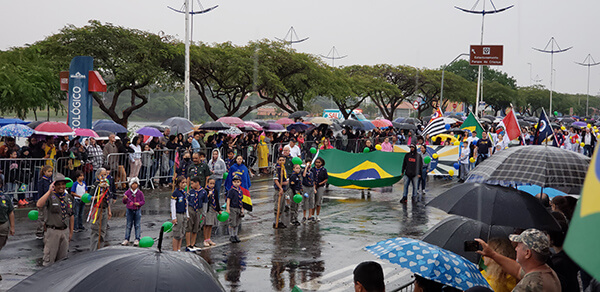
22, 174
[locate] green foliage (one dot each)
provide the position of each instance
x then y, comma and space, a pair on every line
463, 69
498, 96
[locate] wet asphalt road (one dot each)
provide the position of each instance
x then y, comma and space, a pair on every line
315, 257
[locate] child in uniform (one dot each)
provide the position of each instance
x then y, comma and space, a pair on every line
7, 218
196, 200
234, 208
280, 183
78, 189
212, 209
179, 212
308, 187
320, 177
42, 187
296, 188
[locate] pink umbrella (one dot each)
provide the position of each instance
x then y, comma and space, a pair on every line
381, 123
232, 121
54, 129
86, 133
253, 125
285, 121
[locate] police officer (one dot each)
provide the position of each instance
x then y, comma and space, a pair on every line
58, 207
7, 218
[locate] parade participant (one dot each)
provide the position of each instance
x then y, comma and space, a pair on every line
43, 185
465, 154
7, 219
133, 200
196, 199
239, 169
230, 159
411, 169
100, 211
199, 168
217, 168
179, 212
280, 182
530, 268
78, 189
234, 208
308, 188
59, 221
483, 149
295, 185
212, 209
320, 179
422, 181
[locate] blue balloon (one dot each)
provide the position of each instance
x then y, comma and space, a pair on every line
447, 127
456, 165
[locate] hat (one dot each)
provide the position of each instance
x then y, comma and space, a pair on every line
236, 177
533, 239
413, 145
134, 180
60, 177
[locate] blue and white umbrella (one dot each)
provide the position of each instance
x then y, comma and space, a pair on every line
16, 130
534, 190
430, 262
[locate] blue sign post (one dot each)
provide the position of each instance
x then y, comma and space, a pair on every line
80, 99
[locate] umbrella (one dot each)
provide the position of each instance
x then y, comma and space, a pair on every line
149, 131
452, 232
534, 190
495, 205
158, 127
353, 123
103, 135
321, 120
262, 123
234, 131
254, 125
367, 125
179, 125
430, 262
35, 124
579, 124
299, 127
273, 128
536, 165
125, 269
233, 121
214, 126
86, 133
54, 129
411, 121
399, 120
485, 120
381, 123
16, 130
111, 126
4, 122
405, 126
298, 114
285, 121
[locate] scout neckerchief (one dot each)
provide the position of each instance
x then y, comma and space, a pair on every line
317, 172
211, 198
194, 200
63, 205
240, 195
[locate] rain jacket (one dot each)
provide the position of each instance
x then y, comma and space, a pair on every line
217, 167
241, 171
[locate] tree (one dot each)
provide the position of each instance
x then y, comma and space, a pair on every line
498, 96
347, 89
28, 82
456, 88
533, 98
465, 70
129, 60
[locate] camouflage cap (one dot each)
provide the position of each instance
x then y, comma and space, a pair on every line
533, 239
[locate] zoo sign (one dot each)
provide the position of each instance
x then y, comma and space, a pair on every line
80, 81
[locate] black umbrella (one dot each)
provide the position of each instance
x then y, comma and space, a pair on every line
495, 205
214, 126
298, 114
411, 121
262, 123
486, 120
103, 135
125, 269
158, 127
404, 126
35, 124
452, 232
531, 119
178, 125
353, 123
537, 165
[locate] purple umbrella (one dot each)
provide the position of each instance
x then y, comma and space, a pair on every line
273, 127
298, 126
579, 124
149, 131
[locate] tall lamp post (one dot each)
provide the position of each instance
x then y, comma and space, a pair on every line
589, 62
552, 51
444, 71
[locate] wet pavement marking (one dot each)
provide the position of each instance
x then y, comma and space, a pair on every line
334, 214
335, 198
226, 243
344, 283
318, 281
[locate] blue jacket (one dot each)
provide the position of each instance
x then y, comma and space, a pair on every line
242, 172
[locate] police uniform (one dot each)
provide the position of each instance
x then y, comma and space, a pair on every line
59, 211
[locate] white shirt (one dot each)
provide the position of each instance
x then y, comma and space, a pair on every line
588, 139
295, 151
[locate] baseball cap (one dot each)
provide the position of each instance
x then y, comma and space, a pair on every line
533, 239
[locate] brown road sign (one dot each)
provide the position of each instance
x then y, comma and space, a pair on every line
486, 55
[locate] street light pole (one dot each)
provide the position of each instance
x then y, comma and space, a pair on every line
551, 43
589, 62
443, 71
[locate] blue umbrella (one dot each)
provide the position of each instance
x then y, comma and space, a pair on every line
4, 122
298, 126
106, 125
430, 262
534, 190
150, 131
16, 130
367, 125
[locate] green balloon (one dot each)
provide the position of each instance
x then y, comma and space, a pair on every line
86, 198
427, 159
297, 160
366, 150
33, 215
556, 113
69, 182
223, 216
225, 175
313, 150
167, 226
297, 198
146, 241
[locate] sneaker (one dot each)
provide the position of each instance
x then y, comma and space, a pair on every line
206, 243
318, 219
311, 219
403, 200
125, 242
212, 243
82, 228
232, 239
136, 243
303, 219
296, 223
39, 237
237, 239
22, 203
76, 231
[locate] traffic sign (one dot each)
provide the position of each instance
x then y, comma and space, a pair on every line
416, 105
486, 55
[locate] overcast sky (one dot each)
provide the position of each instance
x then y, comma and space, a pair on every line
421, 33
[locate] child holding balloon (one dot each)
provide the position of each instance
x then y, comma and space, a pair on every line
296, 187
309, 190
134, 200
78, 189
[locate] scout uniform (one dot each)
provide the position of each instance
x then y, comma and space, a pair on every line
99, 221
59, 211
196, 200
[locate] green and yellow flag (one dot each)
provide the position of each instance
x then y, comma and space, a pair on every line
472, 124
362, 170
582, 239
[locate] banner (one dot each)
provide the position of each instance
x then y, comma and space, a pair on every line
446, 157
80, 100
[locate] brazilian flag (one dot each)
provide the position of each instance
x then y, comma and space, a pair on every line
362, 170
582, 239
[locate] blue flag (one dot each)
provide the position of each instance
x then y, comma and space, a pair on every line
544, 129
